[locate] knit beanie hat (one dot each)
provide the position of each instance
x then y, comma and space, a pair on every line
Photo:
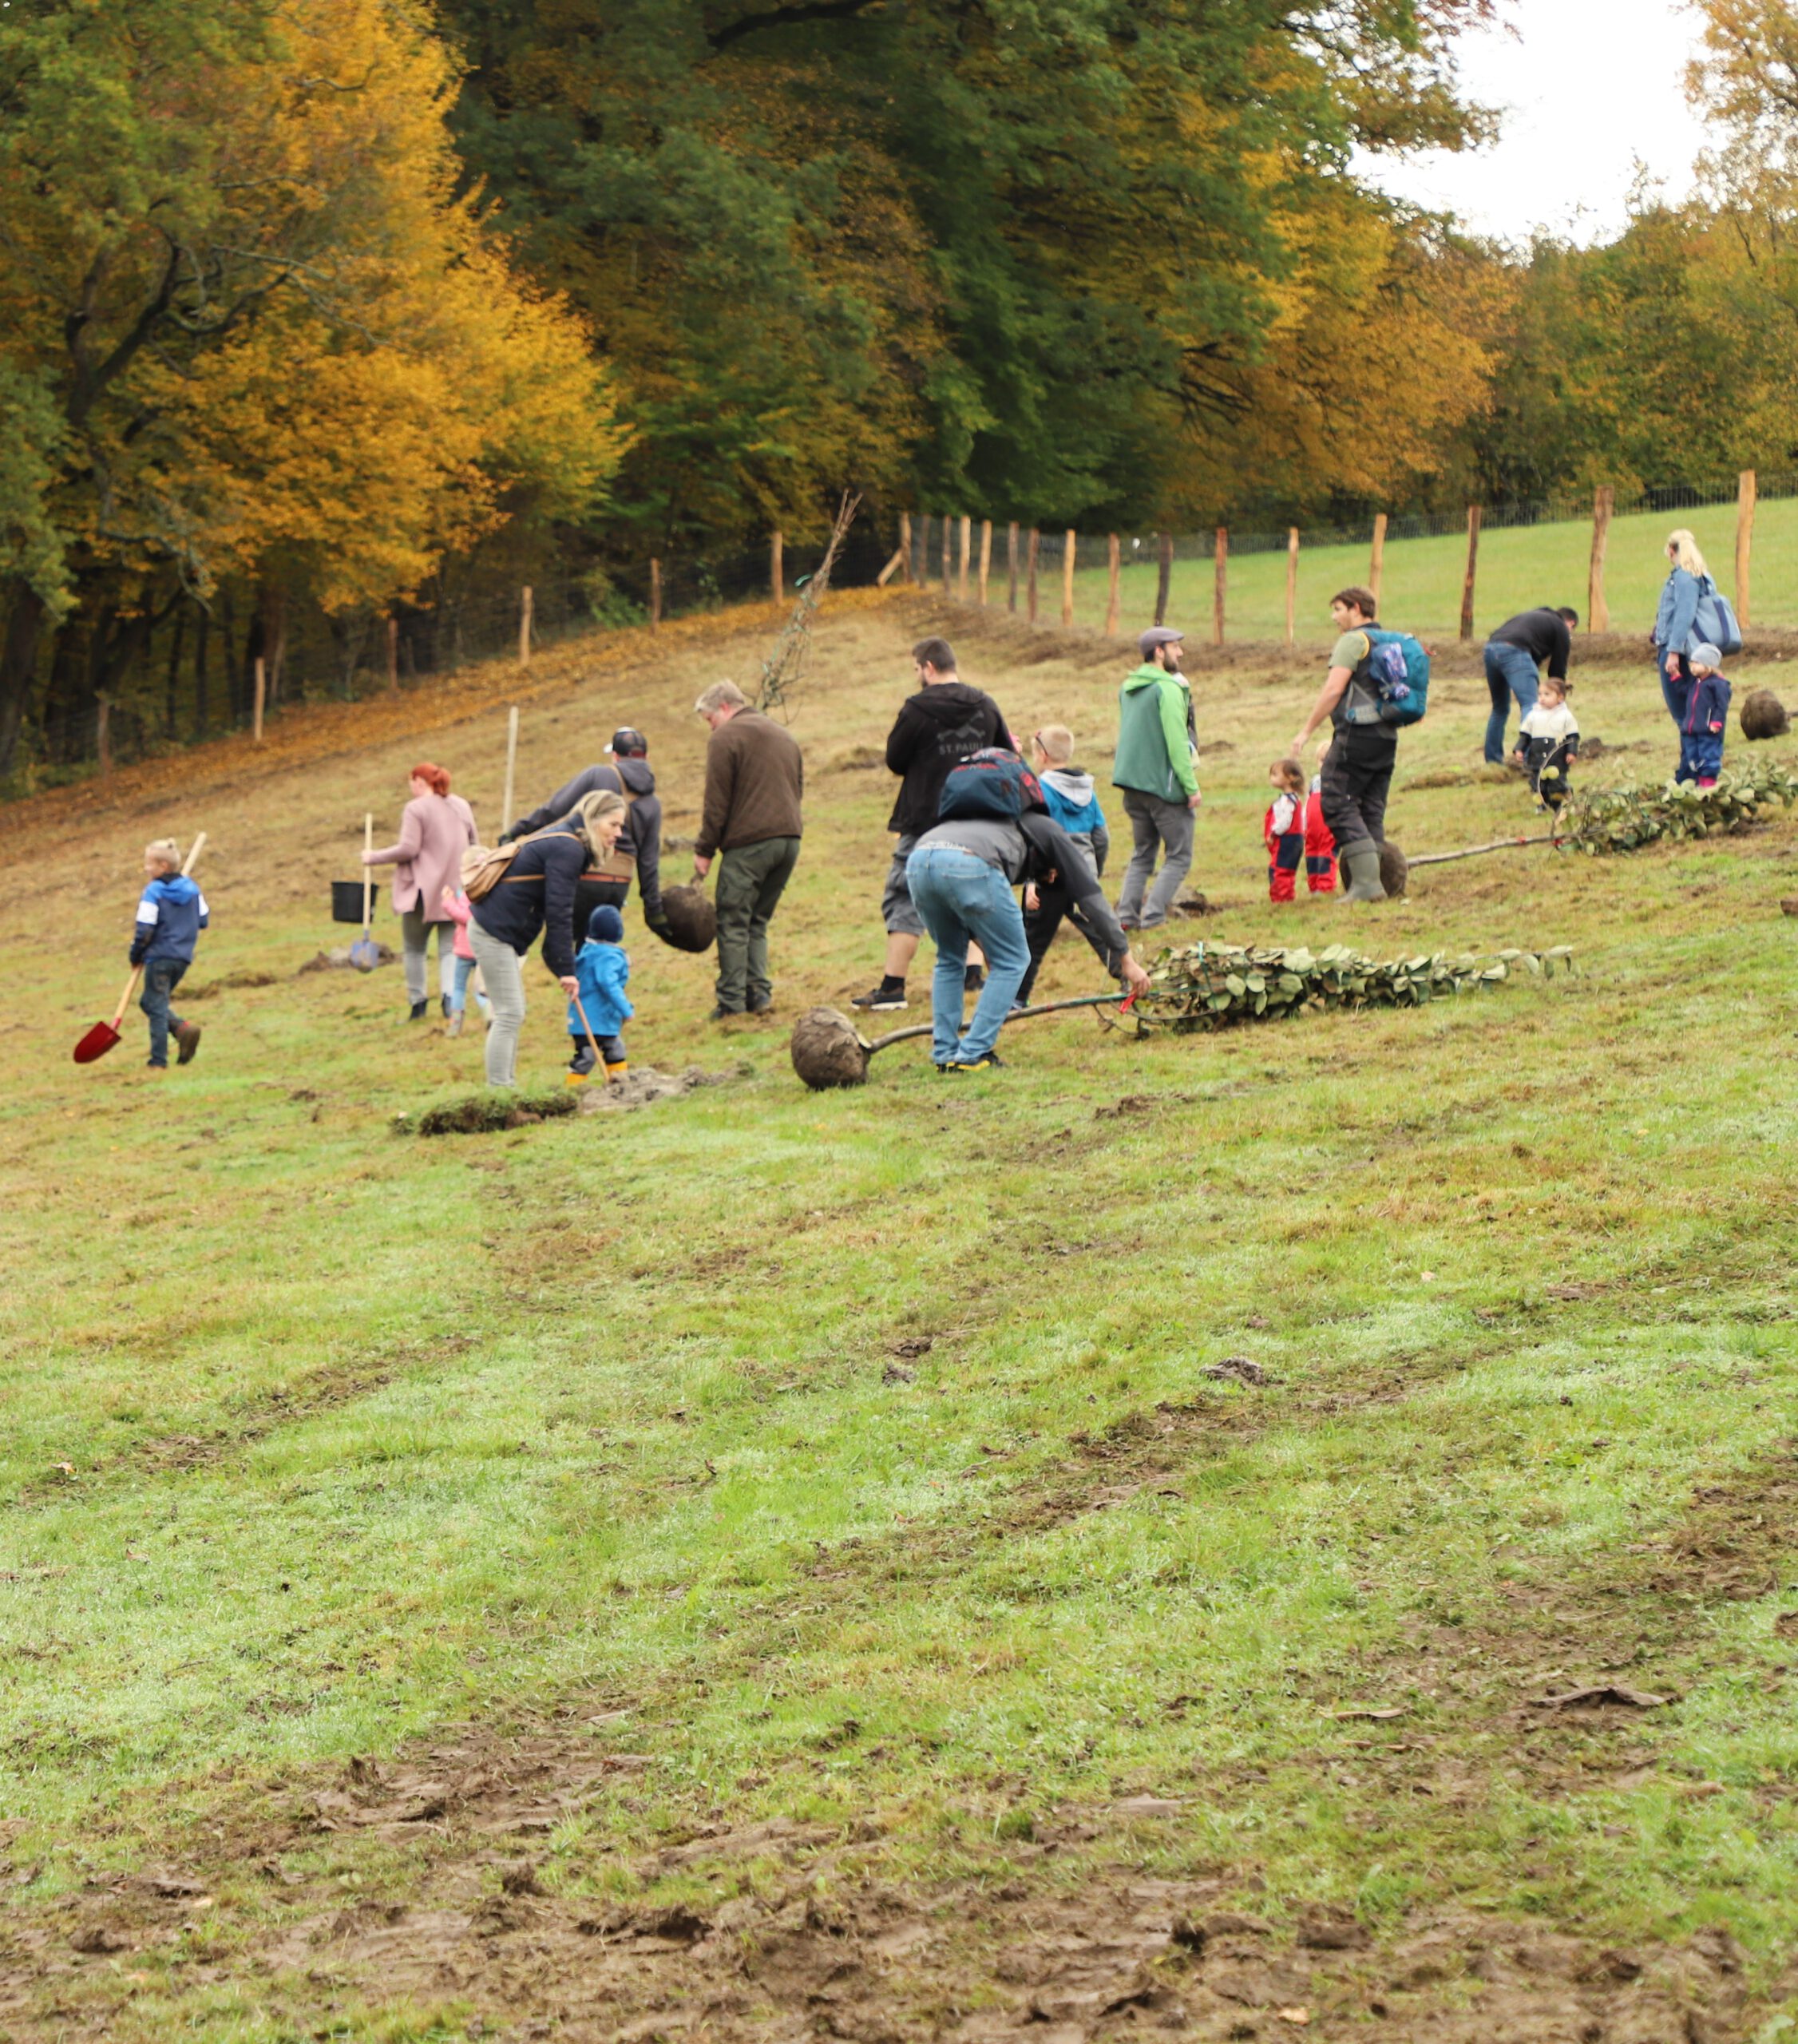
605, 925
1706, 656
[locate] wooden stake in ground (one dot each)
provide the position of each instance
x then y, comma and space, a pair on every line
785, 665
103, 735
923, 575
777, 564
1012, 567
1597, 611
1164, 586
1377, 566
655, 592
1067, 546
511, 766
986, 556
1292, 582
393, 651
526, 606
905, 541
1036, 543
1745, 492
1222, 557
1114, 555
258, 701
945, 558
963, 549
1473, 562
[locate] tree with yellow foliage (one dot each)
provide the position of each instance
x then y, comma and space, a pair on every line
248, 320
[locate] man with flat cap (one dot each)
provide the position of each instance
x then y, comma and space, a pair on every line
628, 772
1156, 769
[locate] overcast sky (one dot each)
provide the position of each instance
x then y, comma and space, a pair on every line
1584, 89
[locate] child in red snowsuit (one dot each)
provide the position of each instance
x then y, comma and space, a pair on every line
1283, 828
1320, 846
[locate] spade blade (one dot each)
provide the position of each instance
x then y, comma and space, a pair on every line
98, 1040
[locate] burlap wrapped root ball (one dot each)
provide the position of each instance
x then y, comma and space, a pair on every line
828, 1051
692, 919
1763, 714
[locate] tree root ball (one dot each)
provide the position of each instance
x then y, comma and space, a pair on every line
828, 1050
1763, 714
692, 919
1395, 870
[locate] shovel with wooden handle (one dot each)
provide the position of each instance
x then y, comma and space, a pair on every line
364, 953
579, 1078
101, 1037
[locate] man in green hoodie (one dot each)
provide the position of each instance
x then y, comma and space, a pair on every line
1156, 770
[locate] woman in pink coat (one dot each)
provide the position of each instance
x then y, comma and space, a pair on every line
434, 831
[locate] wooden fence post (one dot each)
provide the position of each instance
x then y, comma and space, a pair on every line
103, 735
526, 606
1012, 567
511, 766
922, 577
1473, 562
1597, 611
964, 547
393, 651
1745, 492
1222, 557
1292, 582
1376, 567
1164, 585
1035, 545
1067, 547
655, 592
258, 701
777, 564
986, 556
905, 541
1113, 557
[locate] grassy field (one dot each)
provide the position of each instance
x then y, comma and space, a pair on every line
1079, 1547
1421, 583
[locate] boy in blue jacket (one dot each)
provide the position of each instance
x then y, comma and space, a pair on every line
602, 971
1707, 713
171, 914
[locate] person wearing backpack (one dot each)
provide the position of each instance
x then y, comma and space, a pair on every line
1378, 681
1157, 772
995, 835
1694, 612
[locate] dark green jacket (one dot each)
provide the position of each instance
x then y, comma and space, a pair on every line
1154, 735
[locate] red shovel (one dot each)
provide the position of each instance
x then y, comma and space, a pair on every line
101, 1037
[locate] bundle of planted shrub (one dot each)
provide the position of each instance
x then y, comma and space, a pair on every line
1210, 986
1599, 820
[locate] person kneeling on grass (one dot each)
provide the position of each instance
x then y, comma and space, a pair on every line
602, 971
960, 875
170, 916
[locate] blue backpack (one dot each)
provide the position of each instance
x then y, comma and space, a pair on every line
991, 785
1397, 672
1723, 631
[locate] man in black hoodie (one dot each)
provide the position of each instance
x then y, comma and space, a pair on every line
943, 722
639, 843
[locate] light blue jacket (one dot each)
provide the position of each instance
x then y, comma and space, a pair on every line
1676, 622
602, 971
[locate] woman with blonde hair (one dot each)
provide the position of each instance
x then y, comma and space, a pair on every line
1677, 628
535, 893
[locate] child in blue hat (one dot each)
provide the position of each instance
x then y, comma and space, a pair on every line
602, 971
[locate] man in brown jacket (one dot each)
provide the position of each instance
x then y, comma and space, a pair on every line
754, 779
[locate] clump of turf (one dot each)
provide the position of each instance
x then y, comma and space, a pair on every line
481, 1113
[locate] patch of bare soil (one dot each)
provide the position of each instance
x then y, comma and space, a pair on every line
642, 1086
796, 1934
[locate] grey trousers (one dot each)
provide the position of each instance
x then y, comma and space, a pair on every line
415, 944
751, 880
502, 969
1154, 825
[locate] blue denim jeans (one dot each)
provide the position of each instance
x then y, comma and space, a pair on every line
1509, 672
458, 989
161, 976
1675, 671
962, 900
